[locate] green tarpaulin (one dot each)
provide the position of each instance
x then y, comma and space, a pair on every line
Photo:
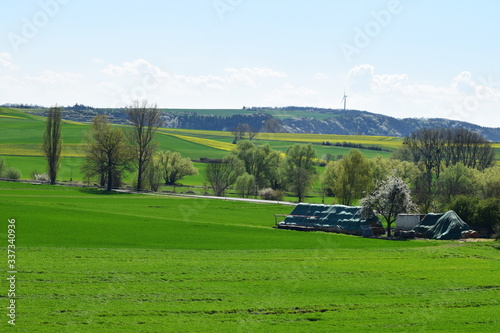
337, 217
441, 226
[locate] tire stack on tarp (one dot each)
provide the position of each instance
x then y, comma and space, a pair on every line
331, 218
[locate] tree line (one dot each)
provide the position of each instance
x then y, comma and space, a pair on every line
216, 123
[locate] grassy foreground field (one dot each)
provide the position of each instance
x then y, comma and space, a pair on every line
94, 262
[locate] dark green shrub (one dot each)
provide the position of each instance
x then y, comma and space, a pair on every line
487, 214
465, 207
478, 213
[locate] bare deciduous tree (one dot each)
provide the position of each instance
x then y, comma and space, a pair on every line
239, 132
252, 133
272, 125
145, 120
433, 149
438, 147
52, 142
224, 174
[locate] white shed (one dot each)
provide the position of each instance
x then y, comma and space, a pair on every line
406, 222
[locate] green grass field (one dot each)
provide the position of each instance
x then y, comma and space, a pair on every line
94, 262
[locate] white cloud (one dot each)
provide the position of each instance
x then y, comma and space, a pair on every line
255, 72
360, 78
321, 76
250, 76
205, 82
464, 84
47, 88
290, 94
58, 79
140, 79
465, 98
5, 62
136, 67
388, 82
140, 70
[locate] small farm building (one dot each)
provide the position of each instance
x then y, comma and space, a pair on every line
407, 222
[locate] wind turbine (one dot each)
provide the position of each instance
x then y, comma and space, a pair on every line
344, 99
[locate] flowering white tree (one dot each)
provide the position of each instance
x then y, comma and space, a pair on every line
392, 197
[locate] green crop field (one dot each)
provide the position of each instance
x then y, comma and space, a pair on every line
22, 136
94, 262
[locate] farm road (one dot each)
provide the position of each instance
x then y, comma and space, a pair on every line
212, 197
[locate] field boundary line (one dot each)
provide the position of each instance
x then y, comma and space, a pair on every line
286, 203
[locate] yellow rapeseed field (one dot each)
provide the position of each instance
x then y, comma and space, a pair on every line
200, 133
13, 149
381, 141
206, 142
14, 117
73, 122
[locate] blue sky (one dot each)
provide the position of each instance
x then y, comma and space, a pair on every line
397, 57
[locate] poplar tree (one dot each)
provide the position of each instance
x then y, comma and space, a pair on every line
52, 142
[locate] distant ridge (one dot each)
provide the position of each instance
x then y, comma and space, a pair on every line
354, 122
293, 120
321, 121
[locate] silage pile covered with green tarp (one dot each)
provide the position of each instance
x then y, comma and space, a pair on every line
441, 226
335, 218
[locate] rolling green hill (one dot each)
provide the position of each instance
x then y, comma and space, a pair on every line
93, 262
22, 135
